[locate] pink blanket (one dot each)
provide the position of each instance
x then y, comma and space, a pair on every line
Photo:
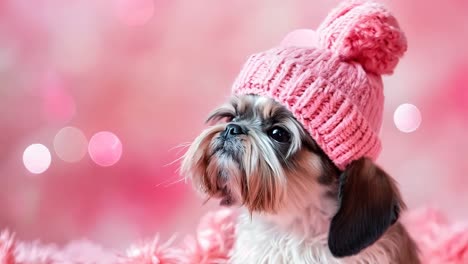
440, 241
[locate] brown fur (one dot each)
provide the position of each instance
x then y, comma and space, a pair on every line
408, 251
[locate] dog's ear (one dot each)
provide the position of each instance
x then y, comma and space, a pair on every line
369, 203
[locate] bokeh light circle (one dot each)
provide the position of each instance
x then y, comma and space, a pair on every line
36, 158
105, 148
134, 12
70, 144
407, 118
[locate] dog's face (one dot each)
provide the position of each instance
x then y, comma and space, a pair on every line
256, 154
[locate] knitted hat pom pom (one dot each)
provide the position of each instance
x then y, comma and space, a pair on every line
366, 33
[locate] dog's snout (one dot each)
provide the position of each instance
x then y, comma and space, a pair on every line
234, 130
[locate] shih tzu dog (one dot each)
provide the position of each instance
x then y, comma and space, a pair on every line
296, 143
301, 207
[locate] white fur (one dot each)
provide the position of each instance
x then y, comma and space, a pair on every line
304, 240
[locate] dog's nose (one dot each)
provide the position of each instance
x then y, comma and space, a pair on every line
233, 130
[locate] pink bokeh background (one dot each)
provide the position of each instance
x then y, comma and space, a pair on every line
147, 72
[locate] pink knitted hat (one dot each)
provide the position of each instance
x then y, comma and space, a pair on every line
330, 79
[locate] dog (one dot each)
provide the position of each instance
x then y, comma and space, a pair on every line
297, 205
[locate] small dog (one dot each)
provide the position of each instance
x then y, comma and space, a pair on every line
296, 143
300, 208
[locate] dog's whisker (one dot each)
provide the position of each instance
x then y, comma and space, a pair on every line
174, 182
182, 148
174, 161
206, 200
181, 145
170, 183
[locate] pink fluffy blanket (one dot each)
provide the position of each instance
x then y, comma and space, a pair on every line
439, 240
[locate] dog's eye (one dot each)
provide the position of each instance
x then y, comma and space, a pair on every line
279, 134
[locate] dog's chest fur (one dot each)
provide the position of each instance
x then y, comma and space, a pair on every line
297, 241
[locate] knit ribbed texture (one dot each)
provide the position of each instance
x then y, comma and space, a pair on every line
333, 86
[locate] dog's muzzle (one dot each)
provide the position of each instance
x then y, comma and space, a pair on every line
233, 130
